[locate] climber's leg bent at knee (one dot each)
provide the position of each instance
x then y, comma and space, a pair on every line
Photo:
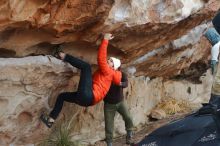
83, 96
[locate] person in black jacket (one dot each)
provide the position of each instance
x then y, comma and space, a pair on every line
114, 101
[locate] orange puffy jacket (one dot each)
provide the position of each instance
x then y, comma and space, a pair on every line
104, 76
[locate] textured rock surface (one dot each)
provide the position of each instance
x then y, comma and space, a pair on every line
29, 83
162, 40
26, 85
143, 29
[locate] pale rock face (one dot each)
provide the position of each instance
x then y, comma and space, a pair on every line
191, 38
156, 40
142, 95
132, 12
26, 85
30, 84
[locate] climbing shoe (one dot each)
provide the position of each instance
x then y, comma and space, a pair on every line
109, 143
46, 120
57, 49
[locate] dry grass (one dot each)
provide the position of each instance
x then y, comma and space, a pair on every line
172, 106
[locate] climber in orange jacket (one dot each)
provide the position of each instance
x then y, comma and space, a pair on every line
92, 88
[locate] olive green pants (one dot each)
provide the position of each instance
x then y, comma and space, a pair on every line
109, 113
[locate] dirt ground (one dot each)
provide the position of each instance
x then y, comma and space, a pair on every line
139, 135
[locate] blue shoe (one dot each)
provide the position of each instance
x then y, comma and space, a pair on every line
129, 137
109, 143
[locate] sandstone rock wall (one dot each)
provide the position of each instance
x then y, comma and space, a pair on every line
30, 86
140, 28
26, 85
160, 43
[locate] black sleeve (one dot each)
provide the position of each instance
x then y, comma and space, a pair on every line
124, 80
